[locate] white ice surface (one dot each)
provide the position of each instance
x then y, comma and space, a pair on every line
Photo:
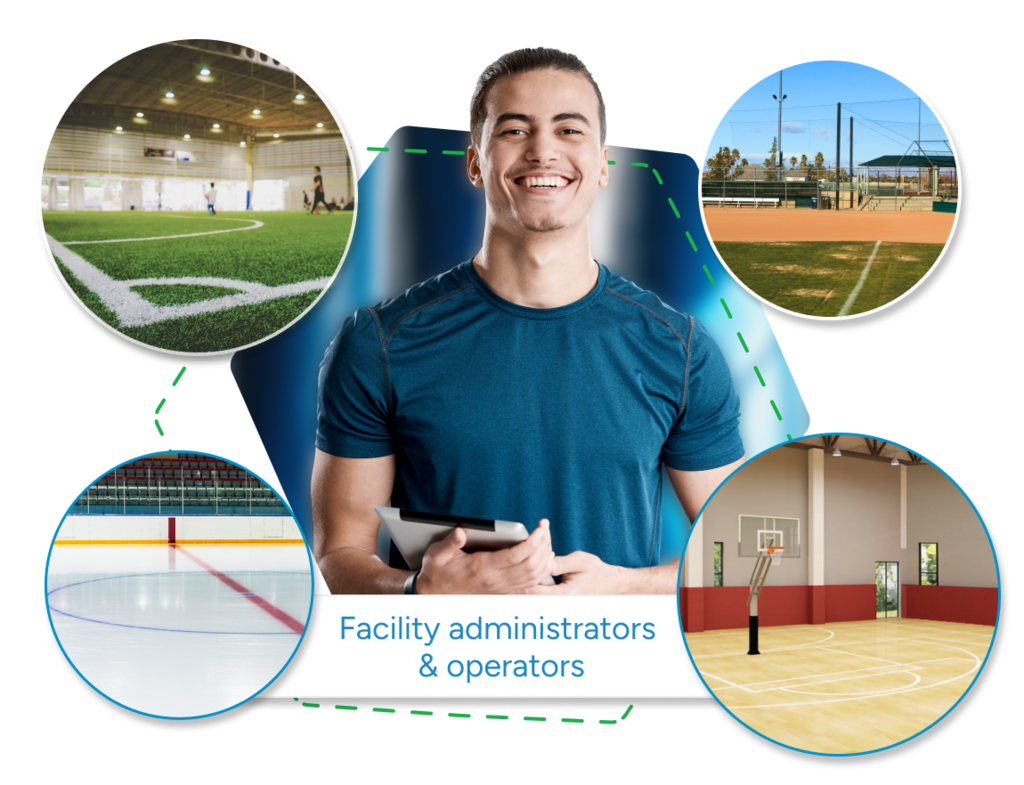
153, 630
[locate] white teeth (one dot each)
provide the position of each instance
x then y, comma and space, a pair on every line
543, 182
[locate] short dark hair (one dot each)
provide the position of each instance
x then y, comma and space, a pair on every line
317, 168
523, 61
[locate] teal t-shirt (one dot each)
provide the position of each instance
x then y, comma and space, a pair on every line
495, 410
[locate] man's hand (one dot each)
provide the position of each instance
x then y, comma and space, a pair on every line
447, 569
585, 573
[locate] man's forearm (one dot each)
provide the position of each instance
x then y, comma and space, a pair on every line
356, 571
648, 580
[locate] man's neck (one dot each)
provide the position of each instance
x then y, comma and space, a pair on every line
541, 270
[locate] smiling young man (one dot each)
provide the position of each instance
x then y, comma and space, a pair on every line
528, 384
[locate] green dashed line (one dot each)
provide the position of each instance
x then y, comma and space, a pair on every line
570, 719
422, 713
707, 272
693, 245
536, 719
412, 150
658, 176
727, 312
452, 152
743, 343
312, 705
676, 211
385, 711
777, 412
607, 722
378, 149
789, 437
460, 716
463, 716
497, 716
347, 708
628, 710
759, 377
638, 163
178, 377
611, 163
157, 423
160, 405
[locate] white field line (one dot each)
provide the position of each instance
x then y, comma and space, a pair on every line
973, 658
872, 693
132, 310
795, 646
860, 284
255, 225
878, 670
725, 681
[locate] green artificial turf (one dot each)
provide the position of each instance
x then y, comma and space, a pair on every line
289, 247
227, 329
96, 225
817, 278
87, 296
181, 293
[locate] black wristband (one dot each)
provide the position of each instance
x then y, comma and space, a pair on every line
410, 582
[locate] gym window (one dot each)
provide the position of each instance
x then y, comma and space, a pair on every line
719, 581
929, 552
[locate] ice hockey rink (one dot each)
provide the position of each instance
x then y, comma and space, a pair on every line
179, 630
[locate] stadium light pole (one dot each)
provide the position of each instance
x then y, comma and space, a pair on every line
780, 98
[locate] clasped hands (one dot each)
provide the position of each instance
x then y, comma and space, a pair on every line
521, 569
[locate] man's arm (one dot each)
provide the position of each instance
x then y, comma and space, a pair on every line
584, 573
345, 491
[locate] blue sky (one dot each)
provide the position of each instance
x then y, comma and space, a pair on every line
884, 111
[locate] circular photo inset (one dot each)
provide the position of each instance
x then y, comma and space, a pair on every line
839, 594
830, 189
197, 196
179, 585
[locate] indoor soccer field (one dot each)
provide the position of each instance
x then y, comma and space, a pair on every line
192, 282
817, 278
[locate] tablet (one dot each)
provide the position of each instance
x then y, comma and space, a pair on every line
414, 532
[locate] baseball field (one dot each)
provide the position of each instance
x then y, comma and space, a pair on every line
828, 263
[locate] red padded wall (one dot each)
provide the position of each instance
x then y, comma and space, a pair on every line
850, 603
963, 604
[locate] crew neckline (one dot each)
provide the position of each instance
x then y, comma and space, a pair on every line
534, 313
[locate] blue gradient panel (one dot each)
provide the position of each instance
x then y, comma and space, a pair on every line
418, 216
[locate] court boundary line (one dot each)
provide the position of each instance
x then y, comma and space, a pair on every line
255, 225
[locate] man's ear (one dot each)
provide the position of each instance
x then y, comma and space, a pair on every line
473, 167
602, 179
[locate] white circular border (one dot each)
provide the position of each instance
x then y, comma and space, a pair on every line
207, 37
758, 80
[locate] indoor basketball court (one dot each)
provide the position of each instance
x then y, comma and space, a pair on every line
839, 594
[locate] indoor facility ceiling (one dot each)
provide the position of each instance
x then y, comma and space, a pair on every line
200, 82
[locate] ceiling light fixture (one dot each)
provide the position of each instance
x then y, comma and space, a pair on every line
319, 125
895, 461
836, 453
139, 114
204, 71
276, 135
255, 111
188, 136
299, 97
241, 144
216, 125
169, 94
118, 128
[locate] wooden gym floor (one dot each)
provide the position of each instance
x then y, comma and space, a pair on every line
846, 687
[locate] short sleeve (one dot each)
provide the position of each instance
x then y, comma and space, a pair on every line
352, 406
707, 434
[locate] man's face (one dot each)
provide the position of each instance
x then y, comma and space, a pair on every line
540, 158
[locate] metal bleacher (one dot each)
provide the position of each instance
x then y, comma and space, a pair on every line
180, 484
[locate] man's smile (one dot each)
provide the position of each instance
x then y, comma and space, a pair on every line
549, 182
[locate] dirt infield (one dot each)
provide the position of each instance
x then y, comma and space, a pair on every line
739, 225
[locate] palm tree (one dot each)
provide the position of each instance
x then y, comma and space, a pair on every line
792, 162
